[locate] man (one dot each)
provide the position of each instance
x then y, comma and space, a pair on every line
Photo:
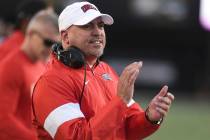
18, 74
24, 12
91, 103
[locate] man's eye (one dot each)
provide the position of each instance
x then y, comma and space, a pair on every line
101, 25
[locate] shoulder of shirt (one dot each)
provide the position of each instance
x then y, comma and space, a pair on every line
106, 66
13, 59
16, 36
56, 69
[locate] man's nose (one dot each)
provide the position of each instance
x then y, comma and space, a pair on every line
97, 30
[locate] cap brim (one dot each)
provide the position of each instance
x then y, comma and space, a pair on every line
107, 19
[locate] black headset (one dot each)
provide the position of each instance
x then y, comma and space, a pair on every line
72, 57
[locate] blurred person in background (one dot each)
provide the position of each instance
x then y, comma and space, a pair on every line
18, 73
83, 98
5, 29
24, 12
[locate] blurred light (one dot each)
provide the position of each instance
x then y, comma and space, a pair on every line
205, 14
145, 7
173, 10
153, 72
157, 73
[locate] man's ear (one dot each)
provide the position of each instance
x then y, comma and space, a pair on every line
64, 38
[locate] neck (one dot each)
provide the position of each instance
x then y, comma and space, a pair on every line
91, 61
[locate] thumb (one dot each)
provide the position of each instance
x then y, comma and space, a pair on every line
163, 91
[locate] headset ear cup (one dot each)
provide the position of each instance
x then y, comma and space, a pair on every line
72, 57
76, 57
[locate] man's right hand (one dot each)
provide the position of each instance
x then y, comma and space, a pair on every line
125, 87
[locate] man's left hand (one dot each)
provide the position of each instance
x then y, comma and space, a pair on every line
160, 104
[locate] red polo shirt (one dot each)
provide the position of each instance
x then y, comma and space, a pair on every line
10, 44
17, 77
102, 115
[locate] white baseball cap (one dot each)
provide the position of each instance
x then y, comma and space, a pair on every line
81, 13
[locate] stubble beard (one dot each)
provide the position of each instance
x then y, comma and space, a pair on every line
96, 54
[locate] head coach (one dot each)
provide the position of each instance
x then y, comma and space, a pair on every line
80, 97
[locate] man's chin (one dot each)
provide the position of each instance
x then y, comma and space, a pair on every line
96, 55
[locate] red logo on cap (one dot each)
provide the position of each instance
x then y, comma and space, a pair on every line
87, 7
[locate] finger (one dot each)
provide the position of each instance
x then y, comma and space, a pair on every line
126, 72
133, 77
170, 96
161, 111
163, 91
129, 72
134, 65
135, 74
163, 106
165, 100
130, 66
140, 64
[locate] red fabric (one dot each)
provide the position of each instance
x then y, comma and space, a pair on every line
106, 115
10, 44
17, 77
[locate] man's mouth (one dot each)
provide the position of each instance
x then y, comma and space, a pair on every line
96, 41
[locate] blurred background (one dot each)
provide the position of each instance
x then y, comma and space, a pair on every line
172, 38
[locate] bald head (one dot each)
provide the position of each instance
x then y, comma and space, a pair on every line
41, 33
42, 21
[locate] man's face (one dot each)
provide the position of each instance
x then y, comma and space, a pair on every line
42, 41
90, 38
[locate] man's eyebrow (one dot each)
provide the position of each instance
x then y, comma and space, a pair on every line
101, 22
